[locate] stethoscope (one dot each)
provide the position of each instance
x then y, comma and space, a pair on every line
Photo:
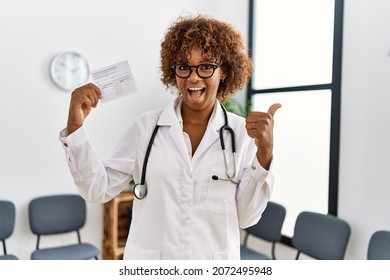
140, 190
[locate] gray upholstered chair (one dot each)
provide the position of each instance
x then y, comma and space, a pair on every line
379, 246
321, 236
59, 214
7, 223
269, 228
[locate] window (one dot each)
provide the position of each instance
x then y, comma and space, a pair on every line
296, 50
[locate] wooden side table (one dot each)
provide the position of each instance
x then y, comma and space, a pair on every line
116, 223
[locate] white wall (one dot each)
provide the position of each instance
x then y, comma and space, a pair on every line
364, 188
33, 110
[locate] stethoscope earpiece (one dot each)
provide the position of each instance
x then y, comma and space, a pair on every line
216, 178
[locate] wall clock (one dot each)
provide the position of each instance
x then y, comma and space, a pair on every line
69, 70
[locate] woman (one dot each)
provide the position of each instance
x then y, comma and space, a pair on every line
197, 196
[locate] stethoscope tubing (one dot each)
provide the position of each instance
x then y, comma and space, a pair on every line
222, 140
139, 193
147, 155
140, 189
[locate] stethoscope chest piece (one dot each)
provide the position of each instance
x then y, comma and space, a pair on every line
140, 191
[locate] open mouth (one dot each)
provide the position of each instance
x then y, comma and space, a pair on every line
196, 92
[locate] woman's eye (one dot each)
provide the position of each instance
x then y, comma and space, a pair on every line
183, 67
206, 66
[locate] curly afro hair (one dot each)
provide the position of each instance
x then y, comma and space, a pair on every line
218, 41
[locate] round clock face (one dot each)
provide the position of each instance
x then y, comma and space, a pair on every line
69, 70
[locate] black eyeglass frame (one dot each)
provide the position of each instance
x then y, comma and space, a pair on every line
213, 66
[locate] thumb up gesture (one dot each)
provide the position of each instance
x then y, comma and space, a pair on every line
259, 126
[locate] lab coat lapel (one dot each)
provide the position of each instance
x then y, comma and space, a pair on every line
168, 118
211, 135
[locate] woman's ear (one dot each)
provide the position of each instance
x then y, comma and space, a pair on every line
223, 76
223, 73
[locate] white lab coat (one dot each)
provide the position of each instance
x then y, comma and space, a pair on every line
186, 214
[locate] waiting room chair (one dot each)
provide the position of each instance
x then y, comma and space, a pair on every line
321, 236
7, 223
268, 228
379, 246
60, 214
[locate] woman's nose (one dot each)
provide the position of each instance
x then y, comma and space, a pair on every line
194, 75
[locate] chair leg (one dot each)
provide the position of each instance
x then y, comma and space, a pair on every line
38, 239
246, 239
4, 248
273, 250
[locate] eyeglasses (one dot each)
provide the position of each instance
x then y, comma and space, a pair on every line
204, 70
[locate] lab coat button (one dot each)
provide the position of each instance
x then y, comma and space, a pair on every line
253, 167
66, 145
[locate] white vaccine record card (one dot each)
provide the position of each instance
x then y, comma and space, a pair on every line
114, 81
